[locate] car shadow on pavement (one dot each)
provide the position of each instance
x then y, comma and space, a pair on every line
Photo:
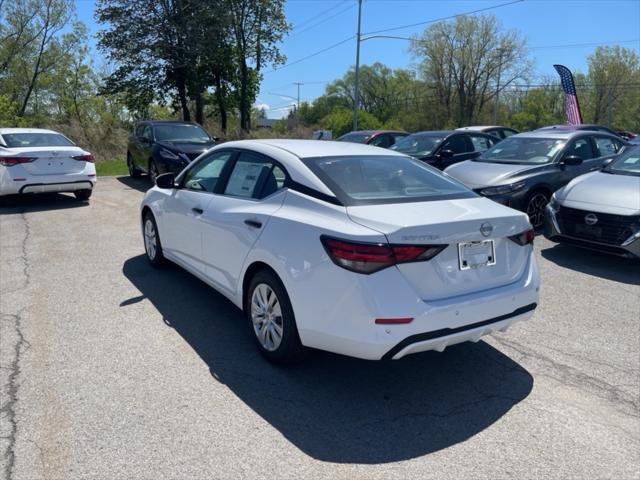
39, 202
335, 408
610, 267
142, 184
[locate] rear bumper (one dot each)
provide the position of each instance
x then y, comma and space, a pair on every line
13, 182
552, 232
350, 329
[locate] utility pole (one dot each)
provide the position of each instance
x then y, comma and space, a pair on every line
298, 84
497, 96
356, 99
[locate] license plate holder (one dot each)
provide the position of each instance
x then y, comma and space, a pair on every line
588, 230
473, 255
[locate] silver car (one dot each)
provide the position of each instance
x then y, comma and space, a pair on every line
600, 210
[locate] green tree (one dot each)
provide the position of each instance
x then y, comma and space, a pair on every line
340, 121
467, 62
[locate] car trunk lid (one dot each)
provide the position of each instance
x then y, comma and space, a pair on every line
52, 160
451, 223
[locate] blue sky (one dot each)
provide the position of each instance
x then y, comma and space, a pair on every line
552, 28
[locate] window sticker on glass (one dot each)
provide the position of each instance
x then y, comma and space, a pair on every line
632, 160
244, 178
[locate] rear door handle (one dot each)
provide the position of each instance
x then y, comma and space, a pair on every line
197, 210
253, 223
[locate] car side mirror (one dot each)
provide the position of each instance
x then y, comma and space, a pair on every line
607, 162
446, 153
572, 160
166, 180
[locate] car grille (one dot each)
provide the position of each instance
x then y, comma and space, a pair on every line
609, 229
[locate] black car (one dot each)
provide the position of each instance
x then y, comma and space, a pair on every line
443, 148
157, 147
377, 138
524, 170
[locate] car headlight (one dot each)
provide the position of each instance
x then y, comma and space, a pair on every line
168, 154
503, 189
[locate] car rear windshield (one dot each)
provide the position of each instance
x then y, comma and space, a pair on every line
628, 163
21, 140
354, 137
418, 145
370, 180
523, 150
181, 133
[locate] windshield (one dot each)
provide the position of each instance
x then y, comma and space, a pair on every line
354, 137
181, 133
362, 180
523, 150
21, 140
628, 163
418, 145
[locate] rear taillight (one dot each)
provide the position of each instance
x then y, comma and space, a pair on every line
524, 238
85, 158
371, 257
11, 161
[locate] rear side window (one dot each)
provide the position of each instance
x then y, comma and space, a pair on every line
21, 140
255, 176
606, 146
480, 144
366, 180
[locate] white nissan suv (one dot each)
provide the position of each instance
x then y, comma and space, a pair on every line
343, 247
34, 160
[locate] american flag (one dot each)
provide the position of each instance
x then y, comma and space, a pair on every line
571, 105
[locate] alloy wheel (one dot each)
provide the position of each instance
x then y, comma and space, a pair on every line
153, 172
130, 165
266, 316
535, 209
150, 239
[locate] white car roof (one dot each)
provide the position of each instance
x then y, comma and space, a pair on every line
289, 153
26, 130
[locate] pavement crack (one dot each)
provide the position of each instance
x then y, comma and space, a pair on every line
625, 404
13, 321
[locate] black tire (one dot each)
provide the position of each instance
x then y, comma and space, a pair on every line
83, 195
535, 206
133, 170
289, 350
154, 255
153, 171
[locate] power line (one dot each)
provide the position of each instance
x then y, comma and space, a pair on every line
330, 47
402, 27
349, 7
316, 16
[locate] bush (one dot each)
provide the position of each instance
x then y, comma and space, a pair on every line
341, 121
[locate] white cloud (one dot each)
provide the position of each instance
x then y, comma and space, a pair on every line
262, 106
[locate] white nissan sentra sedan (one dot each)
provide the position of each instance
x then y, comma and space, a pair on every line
34, 160
343, 247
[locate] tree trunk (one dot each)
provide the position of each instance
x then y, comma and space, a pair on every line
199, 109
184, 104
222, 108
244, 109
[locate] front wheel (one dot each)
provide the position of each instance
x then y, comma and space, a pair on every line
133, 171
83, 195
272, 320
535, 207
152, 245
153, 171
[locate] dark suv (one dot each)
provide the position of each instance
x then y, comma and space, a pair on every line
157, 147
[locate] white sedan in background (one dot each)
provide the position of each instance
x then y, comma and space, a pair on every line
34, 160
343, 247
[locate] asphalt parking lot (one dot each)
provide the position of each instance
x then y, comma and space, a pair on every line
111, 369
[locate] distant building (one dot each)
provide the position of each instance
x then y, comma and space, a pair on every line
265, 122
